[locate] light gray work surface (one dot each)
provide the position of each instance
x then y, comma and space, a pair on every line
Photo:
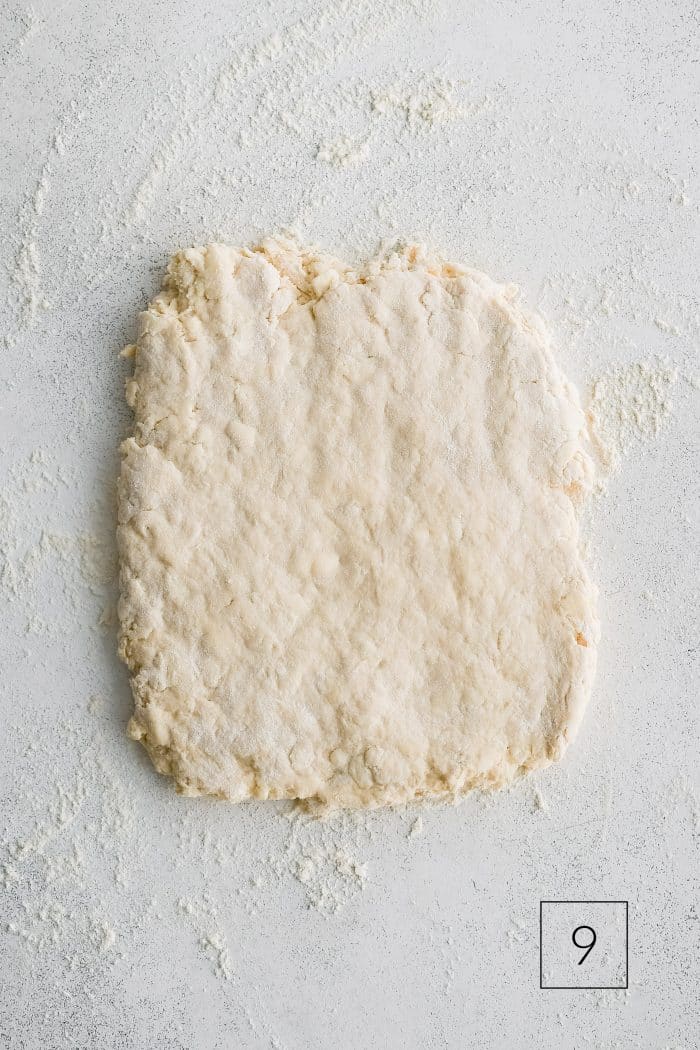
549, 143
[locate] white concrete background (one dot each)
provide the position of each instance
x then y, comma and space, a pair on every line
574, 174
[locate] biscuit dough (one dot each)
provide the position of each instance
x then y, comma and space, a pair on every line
350, 565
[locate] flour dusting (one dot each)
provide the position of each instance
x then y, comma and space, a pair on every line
324, 856
203, 915
424, 101
630, 405
345, 152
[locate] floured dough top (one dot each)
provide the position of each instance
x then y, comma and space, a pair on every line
350, 567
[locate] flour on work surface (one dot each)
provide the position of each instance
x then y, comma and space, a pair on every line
261, 91
27, 290
423, 101
540, 800
87, 815
324, 856
630, 404
203, 915
38, 559
350, 566
345, 152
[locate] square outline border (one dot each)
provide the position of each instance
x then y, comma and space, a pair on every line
589, 987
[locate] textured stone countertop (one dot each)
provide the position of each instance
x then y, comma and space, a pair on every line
552, 145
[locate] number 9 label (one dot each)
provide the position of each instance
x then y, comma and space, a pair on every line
584, 944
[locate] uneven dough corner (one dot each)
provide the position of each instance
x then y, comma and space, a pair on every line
350, 563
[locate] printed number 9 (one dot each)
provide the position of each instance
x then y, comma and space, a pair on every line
588, 944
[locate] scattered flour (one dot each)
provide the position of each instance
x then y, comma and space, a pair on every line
261, 91
215, 945
203, 915
424, 101
540, 801
105, 935
30, 23
39, 563
629, 405
45, 867
322, 856
345, 152
29, 295
9, 876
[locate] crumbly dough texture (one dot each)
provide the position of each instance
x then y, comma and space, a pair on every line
350, 565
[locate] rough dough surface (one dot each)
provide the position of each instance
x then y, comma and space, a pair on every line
350, 565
